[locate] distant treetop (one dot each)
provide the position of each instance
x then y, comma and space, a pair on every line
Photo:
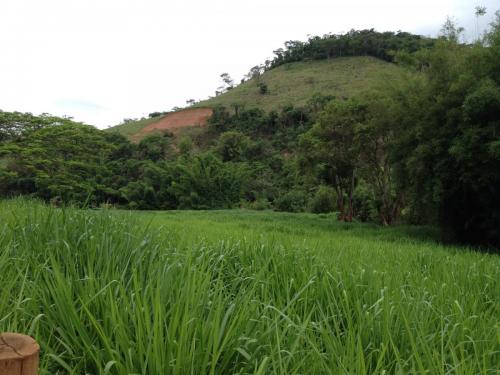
354, 43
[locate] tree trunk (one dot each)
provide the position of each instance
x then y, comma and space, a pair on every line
340, 199
351, 205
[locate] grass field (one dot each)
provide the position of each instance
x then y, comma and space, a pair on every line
242, 292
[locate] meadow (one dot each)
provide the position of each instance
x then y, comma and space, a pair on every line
243, 292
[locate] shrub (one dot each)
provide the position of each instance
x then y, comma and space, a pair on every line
259, 204
205, 182
292, 201
233, 146
185, 145
365, 206
324, 200
263, 89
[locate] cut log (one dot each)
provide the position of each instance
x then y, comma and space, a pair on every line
18, 354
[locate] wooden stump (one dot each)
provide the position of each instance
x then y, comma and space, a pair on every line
18, 354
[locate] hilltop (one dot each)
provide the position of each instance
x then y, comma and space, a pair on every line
292, 83
295, 83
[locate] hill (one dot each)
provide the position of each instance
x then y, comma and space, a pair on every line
292, 83
295, 83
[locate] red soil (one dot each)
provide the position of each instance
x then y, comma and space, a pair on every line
175, 121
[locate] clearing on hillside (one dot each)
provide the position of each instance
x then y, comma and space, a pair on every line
174, 121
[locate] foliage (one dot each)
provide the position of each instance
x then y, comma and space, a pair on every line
329, 151
148, 186
15, 124
155, 147
185, 145
259, 204
204, 181
354, 43
292, 201
446, 150
67, 161
366, 205
323, 201
233, 146
263, 89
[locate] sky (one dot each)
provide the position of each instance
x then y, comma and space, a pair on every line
100, 61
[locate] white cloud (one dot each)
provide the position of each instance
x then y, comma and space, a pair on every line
131, 57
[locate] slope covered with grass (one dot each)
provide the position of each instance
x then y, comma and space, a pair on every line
237, 292
295, 83
133, 127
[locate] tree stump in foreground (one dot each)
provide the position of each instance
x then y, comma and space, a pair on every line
18, 354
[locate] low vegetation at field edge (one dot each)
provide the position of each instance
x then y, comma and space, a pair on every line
242, 292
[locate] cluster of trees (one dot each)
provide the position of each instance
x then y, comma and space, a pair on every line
425, 149
429, 146
64, 161
382, 45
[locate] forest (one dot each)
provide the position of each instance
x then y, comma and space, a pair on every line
424, 150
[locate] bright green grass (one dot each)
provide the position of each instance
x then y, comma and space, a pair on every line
296, 83
241, 292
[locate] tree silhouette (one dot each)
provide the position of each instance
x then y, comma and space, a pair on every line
480, 11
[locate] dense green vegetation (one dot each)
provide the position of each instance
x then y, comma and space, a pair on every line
423, 149
242, 292
354, 43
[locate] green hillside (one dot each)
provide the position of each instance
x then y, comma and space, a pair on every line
132, 127
295, 83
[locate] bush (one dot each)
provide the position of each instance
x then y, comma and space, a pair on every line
365, 207
292, 201
185, 145
259, 204
205, 182
233, 146
324, 200
263, 89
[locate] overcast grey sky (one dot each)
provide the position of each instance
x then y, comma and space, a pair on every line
103, 60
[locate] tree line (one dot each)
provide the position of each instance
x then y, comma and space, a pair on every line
367, 42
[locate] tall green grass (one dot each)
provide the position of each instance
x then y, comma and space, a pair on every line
237, 292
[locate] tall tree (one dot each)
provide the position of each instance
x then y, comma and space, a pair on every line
479, 12
329, 151
448, 148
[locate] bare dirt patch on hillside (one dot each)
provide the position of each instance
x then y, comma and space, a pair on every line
175, 121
